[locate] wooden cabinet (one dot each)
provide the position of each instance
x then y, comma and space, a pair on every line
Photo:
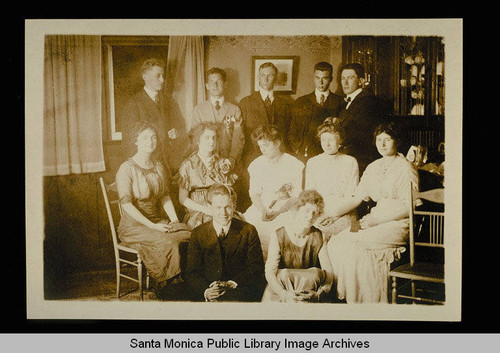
407, 74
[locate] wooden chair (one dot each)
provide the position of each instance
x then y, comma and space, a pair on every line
416, 272
120, 248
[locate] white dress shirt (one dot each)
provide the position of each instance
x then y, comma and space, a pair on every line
352, 96
264, 94
318, 95
151, 93
213, 100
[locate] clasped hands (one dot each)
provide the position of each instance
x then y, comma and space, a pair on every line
217, 289
165, 226
291, 296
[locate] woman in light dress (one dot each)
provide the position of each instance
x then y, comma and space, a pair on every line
361, 258
334, 175
298, 268
275, 179
203, 168
149, 222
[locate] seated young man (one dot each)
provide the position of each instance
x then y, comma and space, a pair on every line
224, 261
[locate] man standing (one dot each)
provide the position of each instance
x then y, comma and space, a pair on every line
359, 115
151, 105
264, 106
309, 112
218, 110
224, 261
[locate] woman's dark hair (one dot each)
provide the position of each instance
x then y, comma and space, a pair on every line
392, 129
140, 126
266, 132
198, 130
310, 196
331, 127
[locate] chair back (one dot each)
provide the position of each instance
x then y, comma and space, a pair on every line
435, 224
105, 193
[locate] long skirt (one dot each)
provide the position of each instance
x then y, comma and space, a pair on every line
361, 260
159, 251
303, 279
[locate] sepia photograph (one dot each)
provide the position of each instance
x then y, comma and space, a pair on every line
286, 170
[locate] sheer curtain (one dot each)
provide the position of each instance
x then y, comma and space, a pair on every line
72, 105
185, 73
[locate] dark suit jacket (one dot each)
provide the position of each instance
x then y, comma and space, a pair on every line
141, 107
254, 114
307, 115
359, 122
243, 261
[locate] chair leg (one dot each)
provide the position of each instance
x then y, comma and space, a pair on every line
139, 275
394, 291
118, 279
413, 291
147, 281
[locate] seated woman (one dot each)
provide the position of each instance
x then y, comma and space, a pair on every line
334, 175
297, 267
149, 222
203, 168
361, 257
275, 177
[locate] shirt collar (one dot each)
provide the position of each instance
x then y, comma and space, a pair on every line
319, 94
151, 93
354, 94
221, 100
218, 227
264, 94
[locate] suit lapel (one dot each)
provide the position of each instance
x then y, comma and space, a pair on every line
261, 109
233, 238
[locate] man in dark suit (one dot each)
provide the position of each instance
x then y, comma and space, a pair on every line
152, 105
359, 115
262, 107
224, 261
309, 112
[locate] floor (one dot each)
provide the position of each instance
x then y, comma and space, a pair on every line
100, 285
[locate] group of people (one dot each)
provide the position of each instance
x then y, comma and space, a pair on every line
270, 191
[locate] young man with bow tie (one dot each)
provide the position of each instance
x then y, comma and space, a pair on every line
359, 115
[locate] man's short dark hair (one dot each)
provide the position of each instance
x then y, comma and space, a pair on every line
216, 70
269, 64
221, 189
324, 66
151, 62
357, 67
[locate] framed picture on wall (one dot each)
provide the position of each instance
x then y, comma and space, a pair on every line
286, 79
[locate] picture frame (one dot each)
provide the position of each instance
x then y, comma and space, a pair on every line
286, 80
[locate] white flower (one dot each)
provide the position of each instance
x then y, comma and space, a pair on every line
409, 60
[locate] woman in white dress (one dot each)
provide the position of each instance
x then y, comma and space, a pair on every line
334, 175
275, 178
361, 258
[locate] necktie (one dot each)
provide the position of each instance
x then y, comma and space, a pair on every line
222, 234
322, 99
217, 105
268, 101
348, 100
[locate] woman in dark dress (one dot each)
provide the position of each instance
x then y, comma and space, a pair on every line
297, 267
149, 222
